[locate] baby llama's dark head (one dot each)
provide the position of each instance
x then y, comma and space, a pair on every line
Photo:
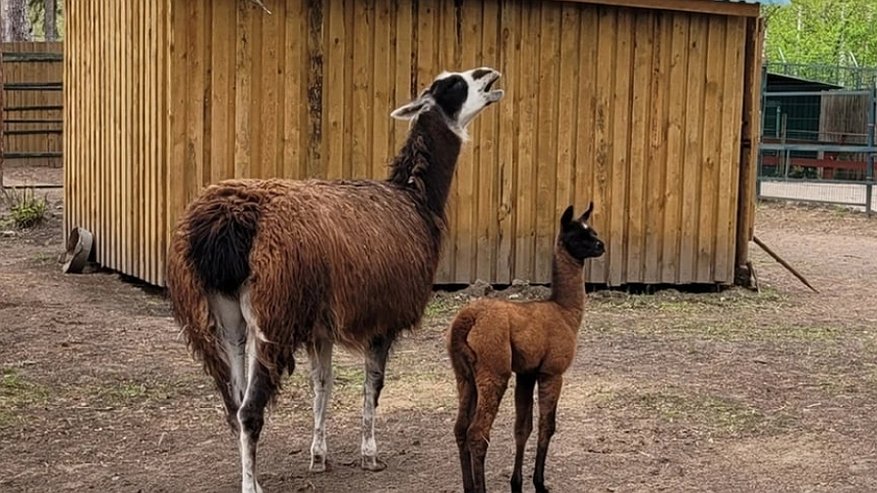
578, 237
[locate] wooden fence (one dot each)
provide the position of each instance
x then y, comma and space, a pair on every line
636, 109
32, 109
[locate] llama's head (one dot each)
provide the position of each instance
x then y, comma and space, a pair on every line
460, 96
578, 237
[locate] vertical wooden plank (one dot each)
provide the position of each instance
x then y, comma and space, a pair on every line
125, 161
139, 152
115, 162
586, 189
405, 85
510, 45
348, 109
381, 73
259, 166
271, 84
675, 149
243, 91
152, 138
163, 62
103, 233
295, 111
487, 187
546, 144
316, 56
525, 101
223, 95
463, 213
656, 163
693, 158
186, 127
333, 93
603, 137
621, 147
732, 108
361, 126
567, 109
639, 140
712, 148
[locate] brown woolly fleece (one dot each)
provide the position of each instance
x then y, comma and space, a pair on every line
490, 339
355, 258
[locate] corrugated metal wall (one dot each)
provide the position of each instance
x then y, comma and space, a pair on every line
639, 110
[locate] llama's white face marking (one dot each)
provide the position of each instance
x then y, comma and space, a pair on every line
480, 94
460, 95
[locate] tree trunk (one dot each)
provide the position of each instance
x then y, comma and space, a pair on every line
50, 26
16, 19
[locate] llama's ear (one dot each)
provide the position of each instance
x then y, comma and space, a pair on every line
410, 110
566, 218
587, 214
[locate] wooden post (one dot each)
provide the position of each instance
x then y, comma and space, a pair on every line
751, 136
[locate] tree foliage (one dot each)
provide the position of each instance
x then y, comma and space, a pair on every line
831, 32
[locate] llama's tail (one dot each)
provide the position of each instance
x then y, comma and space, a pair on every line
462, 356
220, 234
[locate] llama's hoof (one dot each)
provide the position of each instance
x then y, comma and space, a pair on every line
371, 463
541, 488
250, 487
318, 464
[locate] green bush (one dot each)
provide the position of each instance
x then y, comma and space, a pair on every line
25, 209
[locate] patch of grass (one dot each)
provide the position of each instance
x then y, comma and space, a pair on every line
708, 414
17, 394
128, 392
25, 209
672, 301
437, 307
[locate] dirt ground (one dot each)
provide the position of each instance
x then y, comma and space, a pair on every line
732, 391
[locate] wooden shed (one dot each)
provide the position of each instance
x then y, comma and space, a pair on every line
648, 107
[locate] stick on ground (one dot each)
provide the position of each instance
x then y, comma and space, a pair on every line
783, 263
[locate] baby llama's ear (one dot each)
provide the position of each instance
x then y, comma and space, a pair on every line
587, 214
566, 218
410, 110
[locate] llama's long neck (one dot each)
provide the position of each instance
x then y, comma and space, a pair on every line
568, 283
427, 161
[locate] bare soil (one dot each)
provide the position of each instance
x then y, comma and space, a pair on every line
729, 391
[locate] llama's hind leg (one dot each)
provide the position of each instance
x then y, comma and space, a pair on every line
490, 389
549, 394
465, 413
523, 425
375, 366
320, 355
233, 331
251, 415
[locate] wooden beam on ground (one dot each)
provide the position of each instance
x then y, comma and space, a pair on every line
783, 263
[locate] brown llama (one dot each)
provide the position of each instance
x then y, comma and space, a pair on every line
259, 268
490, 339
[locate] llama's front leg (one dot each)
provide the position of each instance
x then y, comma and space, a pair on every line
375, 364
549, 394
320, 355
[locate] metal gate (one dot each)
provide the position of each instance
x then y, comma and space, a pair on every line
819, 146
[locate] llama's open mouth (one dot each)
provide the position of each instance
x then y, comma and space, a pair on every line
493, 96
